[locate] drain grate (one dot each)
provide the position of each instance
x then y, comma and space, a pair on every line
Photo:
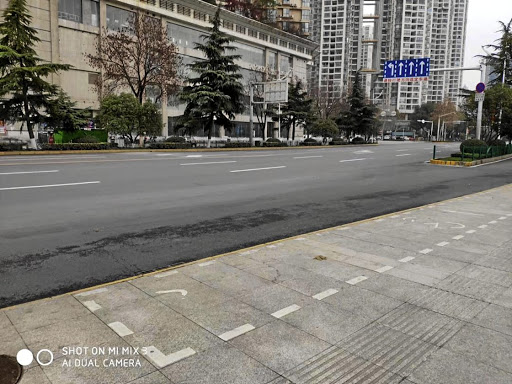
10, 370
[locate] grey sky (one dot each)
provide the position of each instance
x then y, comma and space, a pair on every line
483, 16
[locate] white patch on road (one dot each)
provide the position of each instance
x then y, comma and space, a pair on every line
206, 263
442, 243
492, 222
210, 162
162, 360
165, 274
182, 291
49, 185
362, 151
502, 218
346, 161
271, 246
395, 216
194, 156
92, 305
306, 157
257, 169
403, 154
27, 172
383, 269
379, 220
356, 280
463, 213
92, 292
286, 311
406, 259
300, 239
324, 294
483, 226
426, 250
402, 150
471, 231
119, 328
236, 332
458, 237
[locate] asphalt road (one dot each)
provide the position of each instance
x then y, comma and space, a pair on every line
73, 221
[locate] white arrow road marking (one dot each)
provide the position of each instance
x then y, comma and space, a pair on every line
457, 225
182, 291
162, 360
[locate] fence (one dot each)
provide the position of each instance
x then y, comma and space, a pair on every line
480, 152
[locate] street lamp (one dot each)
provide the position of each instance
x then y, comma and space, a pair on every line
431, 126
439, 122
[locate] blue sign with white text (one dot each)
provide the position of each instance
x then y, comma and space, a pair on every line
407, 70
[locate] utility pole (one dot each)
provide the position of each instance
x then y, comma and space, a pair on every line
251, 111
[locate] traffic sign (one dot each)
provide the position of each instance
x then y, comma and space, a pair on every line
480, 87
479, 97
407, 70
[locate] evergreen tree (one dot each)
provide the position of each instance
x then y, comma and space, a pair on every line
63, 114
501, 58
298, 110
214, 94
22, 73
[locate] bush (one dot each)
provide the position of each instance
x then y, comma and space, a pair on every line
4, 147
337, 141
75, 146
473, 145
310, 141
167, 145
238, 145
274, 143
87, 139
358, 140
175, 139
498, 143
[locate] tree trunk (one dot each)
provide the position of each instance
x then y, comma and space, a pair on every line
30, 129
210, 127
293, 130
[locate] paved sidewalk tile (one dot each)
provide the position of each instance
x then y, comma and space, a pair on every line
495, 317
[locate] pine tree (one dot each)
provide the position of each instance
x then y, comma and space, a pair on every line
22, 73
215, 95
298, 110
501, 58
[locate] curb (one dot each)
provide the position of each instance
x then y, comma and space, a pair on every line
469, 163
155, 272
70, 152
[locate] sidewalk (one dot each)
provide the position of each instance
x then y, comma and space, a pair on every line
422, 296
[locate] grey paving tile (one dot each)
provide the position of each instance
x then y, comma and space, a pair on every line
241, 261
450, 304
484, 345
222, 364
496, 318
477, 289
227, 316
7, 330
439, 263
150, 285
239, 284
445, 367
113, 296
362, 302
431, 327
413, 276
45, 312
275, 297
338, 366
34, 375
488, 275
83, 331
153, 378
339, 271
496, 262
277, 272
313, 283
322, 321
12, 346
390, 349
279, 346
209, 271
394, 287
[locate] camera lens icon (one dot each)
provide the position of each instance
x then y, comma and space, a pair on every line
26, 357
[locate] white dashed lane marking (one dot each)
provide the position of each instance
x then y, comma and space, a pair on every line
324, 294
92, 305
483, 226
356, 280
458, 237
492, 222
27, 172
346, 161
286, 311
384, 269
406, 259
426, 250
205, 264
471, 231
165, 274
236, 332
93, 292
257, 169
162, 360
119, 328
442, 243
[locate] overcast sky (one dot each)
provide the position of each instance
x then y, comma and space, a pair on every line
483, 16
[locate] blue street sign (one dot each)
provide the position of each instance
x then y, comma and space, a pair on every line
480, 87
415, 69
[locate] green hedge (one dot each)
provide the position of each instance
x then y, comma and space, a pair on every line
238, 145
310, 141
175, 139
75, 146
272, 142
4, 147
71, 136
165, 145
87, 139
473, 145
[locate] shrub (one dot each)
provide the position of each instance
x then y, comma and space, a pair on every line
358, 140
498, 143
310, 141
167, 145
175, 139
473, 145
238, 145
272, 142
75, 146
4, 147
87, 139
337, 141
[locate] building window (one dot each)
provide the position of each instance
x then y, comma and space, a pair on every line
306, 3
184, 36
272, 61
306, 15
118, 19
286, 12
80, 11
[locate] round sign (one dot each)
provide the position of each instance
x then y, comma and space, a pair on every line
423, 121
480, 87
393, 113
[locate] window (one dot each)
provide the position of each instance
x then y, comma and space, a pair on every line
306, 15
183, 36
249, 53
118, 19
286, 12
80, 11
272, 60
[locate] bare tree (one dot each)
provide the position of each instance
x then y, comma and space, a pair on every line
136, 57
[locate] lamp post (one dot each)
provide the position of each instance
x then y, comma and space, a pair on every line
431, 126
439, 123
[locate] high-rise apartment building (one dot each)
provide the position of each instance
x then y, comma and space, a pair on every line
293, 16
362, 34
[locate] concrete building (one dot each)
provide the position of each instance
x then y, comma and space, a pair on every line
362, 34
293, 16
68, 30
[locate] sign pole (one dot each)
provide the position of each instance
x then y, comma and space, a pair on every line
480, 106
251, 124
